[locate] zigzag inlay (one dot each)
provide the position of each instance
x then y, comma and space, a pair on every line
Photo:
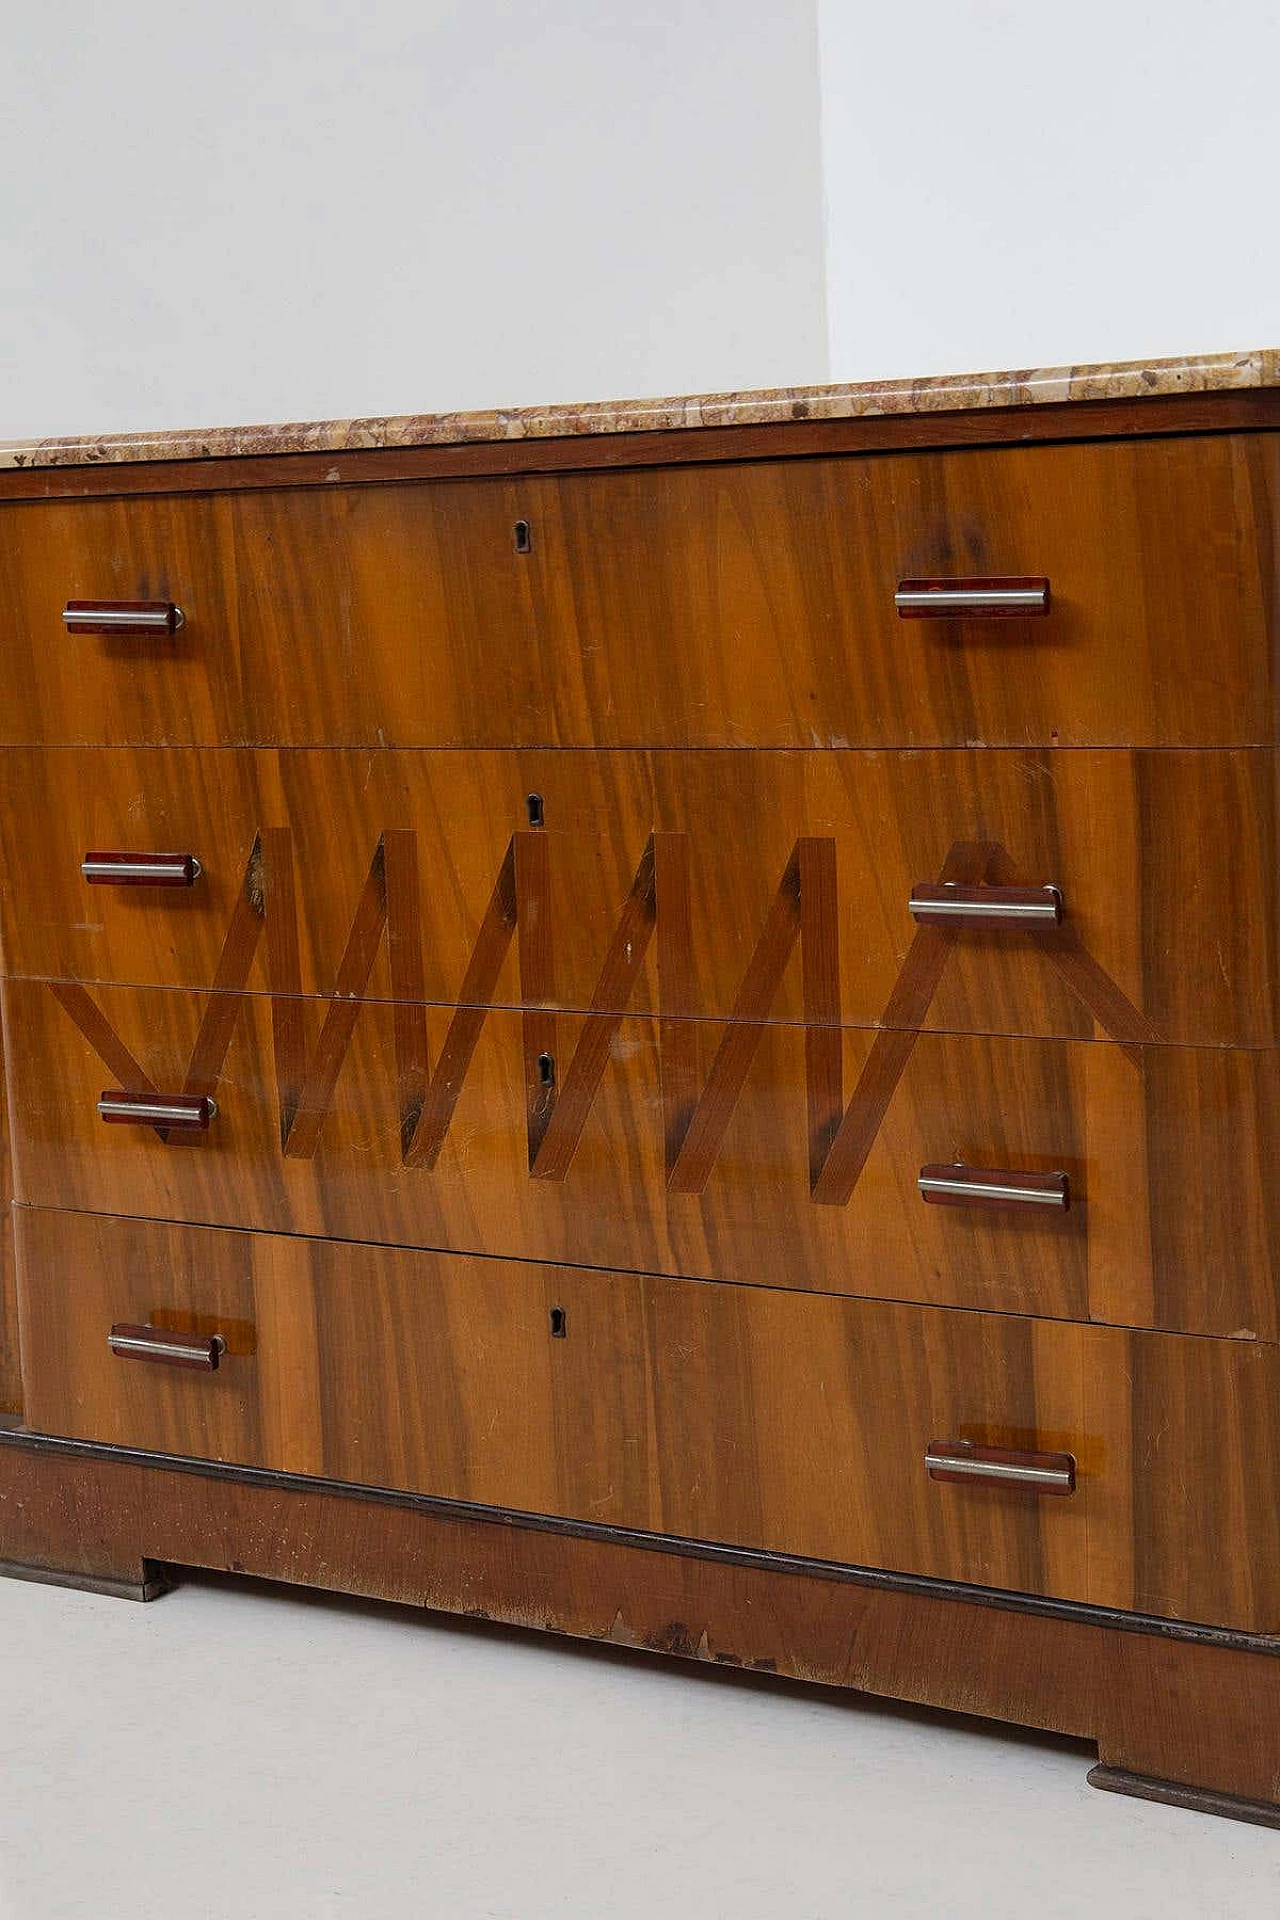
804, 912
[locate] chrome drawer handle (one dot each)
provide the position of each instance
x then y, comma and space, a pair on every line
962, 1186
141, 869
1016, 596
167, 1349
122, 616
189, 1110
959, 1461
950, 905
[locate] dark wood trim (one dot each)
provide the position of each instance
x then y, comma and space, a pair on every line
1228, 1806
879, 1578
1229, 412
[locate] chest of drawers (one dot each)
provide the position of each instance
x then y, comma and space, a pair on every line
665, 1023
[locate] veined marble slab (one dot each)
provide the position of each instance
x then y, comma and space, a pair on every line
943, 393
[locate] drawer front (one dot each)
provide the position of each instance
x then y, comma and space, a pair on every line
759, 1153
658, 881
742, 1415
739, 605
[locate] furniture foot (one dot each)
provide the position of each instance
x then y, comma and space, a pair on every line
150, 1583
1229, 1806
1191, 1723
50, 1535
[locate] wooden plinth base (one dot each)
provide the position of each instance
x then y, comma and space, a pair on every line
1185, 1714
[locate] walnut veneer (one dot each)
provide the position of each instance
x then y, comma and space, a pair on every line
1167, 861
592, 906
433, 1129
747, 604
755, 1416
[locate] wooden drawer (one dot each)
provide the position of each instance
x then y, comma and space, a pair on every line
756, 1153
736, 605
1166, 861
741, 1415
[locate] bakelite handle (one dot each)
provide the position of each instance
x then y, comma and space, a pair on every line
959, 1462
1014, 597
122, 616
190, 1110
949, 905
200, 1353
963, 1186
141, 869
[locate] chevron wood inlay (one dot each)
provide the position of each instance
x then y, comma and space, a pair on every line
556, 1115
1139, 1148
614, 904
1201, 962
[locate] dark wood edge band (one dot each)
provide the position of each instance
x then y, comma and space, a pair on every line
1172, 1793
755, 1558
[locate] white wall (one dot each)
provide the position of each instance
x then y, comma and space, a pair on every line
215, 213
221, 212
1015, 185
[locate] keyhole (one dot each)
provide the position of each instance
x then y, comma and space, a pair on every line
537, 815
558, 1330
523, 537
546, 1070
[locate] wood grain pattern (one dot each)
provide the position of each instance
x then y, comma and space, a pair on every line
1167, 861
745, 604
1201, 1713
674, 1027
1143, 1145
10, 1357
759, 1418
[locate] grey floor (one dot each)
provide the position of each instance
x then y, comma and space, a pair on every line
236, 1750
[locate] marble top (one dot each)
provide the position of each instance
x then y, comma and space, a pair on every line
942, 393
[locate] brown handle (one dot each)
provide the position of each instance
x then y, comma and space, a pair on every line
959, 1462
140, 869
165, 1349
122, 616
183, 1110
949, 905
1012, 598
962, 1186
